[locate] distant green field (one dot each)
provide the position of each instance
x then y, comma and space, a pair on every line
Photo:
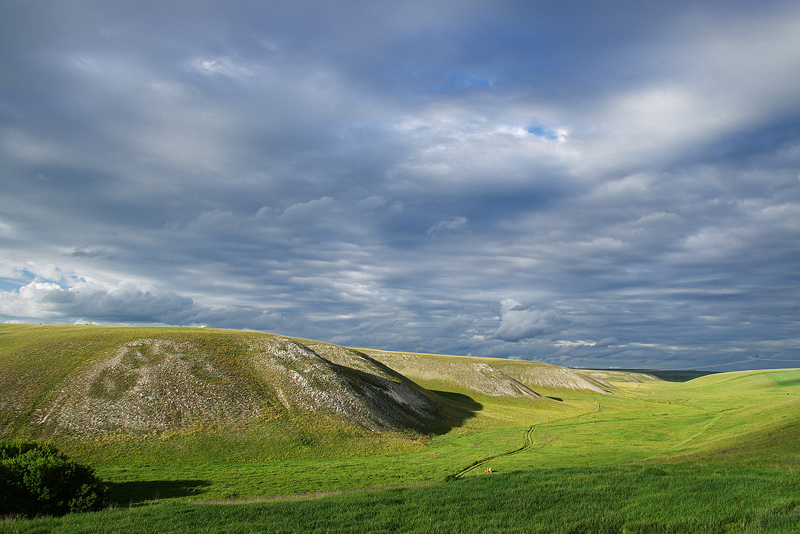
652, 456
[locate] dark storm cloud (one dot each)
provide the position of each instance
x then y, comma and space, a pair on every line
608, 184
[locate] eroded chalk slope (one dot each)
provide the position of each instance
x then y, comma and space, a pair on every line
156, 385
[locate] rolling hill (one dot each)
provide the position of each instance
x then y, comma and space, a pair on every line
80, 380
122, 394
203, 416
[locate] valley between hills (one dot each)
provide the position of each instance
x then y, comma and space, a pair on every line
200, 417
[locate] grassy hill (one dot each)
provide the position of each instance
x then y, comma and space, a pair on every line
127, 393
169, 395
87, 380
178, 415
112, 394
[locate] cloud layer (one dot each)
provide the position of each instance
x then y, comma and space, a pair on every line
587, 185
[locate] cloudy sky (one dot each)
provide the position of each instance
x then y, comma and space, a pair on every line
583, 183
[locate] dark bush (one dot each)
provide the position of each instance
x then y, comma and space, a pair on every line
36, 479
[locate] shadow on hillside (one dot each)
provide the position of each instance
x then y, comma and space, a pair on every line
460, 407
453, 408
464, 400
678, 376
142, 491
778, 379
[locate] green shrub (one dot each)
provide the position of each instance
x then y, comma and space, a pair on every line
36, 479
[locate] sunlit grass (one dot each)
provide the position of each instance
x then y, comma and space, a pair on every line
597, 463
682, 498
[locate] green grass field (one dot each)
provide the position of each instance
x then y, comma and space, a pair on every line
718, 453
622, 499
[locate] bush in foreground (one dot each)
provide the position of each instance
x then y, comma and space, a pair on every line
36, 479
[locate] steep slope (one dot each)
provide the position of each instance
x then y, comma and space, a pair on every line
357, 392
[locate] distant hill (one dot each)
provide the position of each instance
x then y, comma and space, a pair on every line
501, 377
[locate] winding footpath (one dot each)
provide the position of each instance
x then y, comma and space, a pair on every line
527, 445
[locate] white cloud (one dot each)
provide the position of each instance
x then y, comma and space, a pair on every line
78, 300
518, 322
306, 213
223, 66
6, 230
456, 225
459, 147
606, 342
720, 75
214, 221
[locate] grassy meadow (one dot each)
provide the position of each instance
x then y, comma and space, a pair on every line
718, 453
673, 498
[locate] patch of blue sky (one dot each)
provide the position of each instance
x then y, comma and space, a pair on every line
7, 284
23, 277
541, 131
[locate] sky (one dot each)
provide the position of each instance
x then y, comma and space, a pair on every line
588, 184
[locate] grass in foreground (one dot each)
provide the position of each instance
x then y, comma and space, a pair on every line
677, 499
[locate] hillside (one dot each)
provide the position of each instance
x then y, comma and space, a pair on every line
195, 414
205, 394
500, 377
80, 380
